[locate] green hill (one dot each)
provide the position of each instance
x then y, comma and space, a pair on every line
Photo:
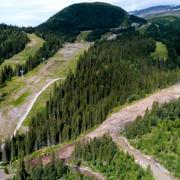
87, 16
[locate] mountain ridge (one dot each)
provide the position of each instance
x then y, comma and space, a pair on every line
155, 10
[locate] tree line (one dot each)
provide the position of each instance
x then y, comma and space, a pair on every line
144, 125
12, 41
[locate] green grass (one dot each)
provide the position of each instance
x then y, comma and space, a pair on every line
11, 89
161, 51
30, 50
143, 28
34, 80
39, 105
21, 99
82, 36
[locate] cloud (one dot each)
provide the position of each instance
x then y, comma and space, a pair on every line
34, 12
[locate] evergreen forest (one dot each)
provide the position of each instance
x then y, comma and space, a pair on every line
111, 73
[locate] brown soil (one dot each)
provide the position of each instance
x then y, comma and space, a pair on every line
89, 172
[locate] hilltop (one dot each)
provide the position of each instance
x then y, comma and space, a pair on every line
87, 16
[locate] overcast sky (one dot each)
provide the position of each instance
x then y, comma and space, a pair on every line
34, 12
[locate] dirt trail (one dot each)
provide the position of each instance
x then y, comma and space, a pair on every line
117, 121
128, 114
87, 171
159, 172
32, 83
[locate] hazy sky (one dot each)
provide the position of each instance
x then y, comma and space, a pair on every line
34, 12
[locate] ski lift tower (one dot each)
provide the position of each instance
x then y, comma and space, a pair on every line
22, 72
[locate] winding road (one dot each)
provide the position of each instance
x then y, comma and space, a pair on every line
32, 103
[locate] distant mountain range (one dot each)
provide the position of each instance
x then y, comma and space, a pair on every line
155, 10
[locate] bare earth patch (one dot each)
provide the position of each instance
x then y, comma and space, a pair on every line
89, 172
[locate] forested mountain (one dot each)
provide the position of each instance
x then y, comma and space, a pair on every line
87, 16
157, 133
12, 41
109, 74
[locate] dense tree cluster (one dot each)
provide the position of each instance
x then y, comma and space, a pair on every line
5, 74
102, 154
12, 41
84, 16
52, 171
109, 74
88, 16
157, 133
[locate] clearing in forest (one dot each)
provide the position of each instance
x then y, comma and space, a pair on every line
22, 90
161, 51
30, 50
